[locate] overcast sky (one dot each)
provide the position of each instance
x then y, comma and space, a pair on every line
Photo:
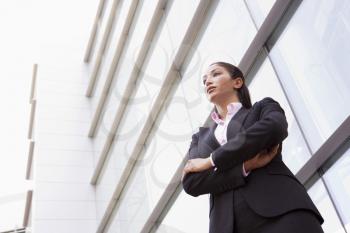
28, 29
17, 55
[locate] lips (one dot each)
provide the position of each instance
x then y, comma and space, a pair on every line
210, 89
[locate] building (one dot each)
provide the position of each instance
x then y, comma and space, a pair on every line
101, 156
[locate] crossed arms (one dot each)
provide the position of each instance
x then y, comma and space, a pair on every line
269, 130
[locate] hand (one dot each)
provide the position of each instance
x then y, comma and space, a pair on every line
261, 159
196, 165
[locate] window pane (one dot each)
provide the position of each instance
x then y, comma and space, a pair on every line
318, 194
102, 25
152, 76
188, 214
337, 179
112, 44
259, 9
127, 61
311, 57
226, 38
164, 151
265, 84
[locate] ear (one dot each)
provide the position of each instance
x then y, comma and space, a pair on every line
237, 83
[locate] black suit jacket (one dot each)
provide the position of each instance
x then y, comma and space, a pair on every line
270, 191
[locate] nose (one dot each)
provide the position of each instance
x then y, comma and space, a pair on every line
208, 81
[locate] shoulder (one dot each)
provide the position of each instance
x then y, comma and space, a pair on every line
195, 135
267, 103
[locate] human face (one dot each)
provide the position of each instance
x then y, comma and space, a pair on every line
219, 86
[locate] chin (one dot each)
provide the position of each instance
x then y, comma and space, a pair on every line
212, 98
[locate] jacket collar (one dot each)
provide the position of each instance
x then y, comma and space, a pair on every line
207, 136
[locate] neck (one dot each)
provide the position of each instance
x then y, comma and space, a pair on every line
222, 106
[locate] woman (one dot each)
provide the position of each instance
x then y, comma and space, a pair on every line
238, 161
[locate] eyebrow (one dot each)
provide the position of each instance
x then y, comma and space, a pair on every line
204, 76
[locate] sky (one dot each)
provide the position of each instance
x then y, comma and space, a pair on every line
18, 46
32, 31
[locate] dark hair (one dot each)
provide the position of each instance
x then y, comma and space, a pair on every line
235, 72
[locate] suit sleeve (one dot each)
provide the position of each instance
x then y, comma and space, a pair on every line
210, 181
269, 130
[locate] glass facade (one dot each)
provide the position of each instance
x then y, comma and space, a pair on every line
337, 179
304, 67
311, 59
155, 57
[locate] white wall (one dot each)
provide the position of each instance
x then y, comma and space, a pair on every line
64, 200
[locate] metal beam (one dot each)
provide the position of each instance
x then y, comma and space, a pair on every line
103, 45
112, 68
273, 20
27, 208
19, 230
330, 151
30, 160
249, 65
32, 118
172, 74
33, 86
94, 30
129, 88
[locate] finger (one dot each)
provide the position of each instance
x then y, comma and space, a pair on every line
189, 167
183, 175
275, 150
186, 169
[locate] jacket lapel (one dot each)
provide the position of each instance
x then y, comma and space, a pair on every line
207, 140
236, 123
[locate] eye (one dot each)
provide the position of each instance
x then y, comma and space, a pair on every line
216, 73
204, 80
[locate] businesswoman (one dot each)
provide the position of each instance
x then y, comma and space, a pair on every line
238, 161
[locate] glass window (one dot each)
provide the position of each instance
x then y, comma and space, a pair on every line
311, 57
226, 38
265, 84
259, 10
337, 179
102, 23
164, 151
319, 195
150, 82
114, 40
127, 61
180, 217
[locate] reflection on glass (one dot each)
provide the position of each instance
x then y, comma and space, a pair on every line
149, 83
226, 38
127, 62
265, 84
170, 140
311, 57
337, 179
321, 199
115, 37
164, 151
188, 214
259, 9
